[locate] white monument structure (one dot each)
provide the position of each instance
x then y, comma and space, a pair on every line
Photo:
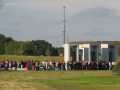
90, 51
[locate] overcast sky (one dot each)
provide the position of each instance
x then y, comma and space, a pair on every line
42, 19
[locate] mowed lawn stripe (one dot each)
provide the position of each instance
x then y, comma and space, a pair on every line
73, 80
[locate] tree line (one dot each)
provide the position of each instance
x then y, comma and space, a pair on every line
9, 46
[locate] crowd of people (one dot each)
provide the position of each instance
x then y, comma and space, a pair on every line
53, 66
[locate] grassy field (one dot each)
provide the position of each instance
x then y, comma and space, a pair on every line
74, 80
38, 58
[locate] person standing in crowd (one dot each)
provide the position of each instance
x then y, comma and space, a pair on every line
9, 66
36, 66
51, 67
41, 67
6, 65
0, 65
110, 65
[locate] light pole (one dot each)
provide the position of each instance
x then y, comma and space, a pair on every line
64, 21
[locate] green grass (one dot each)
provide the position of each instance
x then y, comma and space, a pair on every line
74, 80
38, 58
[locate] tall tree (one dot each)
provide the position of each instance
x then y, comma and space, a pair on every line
35, 47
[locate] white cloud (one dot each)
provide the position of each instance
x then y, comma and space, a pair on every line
74, 6
42, 19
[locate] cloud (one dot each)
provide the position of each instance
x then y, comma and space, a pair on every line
42, 19
94, 24
1, 4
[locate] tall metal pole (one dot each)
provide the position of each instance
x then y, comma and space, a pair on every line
64, 31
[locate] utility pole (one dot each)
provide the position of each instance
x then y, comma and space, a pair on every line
64, 32
64, 21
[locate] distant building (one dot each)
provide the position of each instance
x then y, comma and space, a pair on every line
90, 51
